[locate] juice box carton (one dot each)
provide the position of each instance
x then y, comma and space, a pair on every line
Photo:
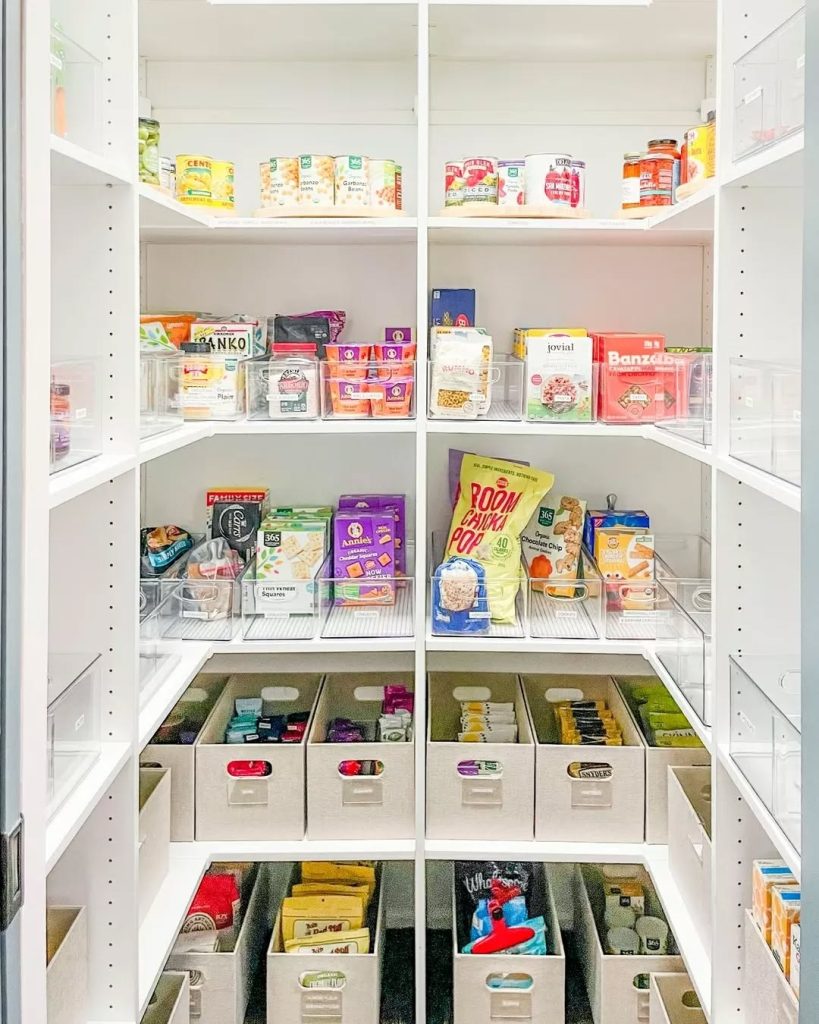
624, 553
786, 902
636, 375
559, 381
453, 307
364, 566
289, 554
765, 874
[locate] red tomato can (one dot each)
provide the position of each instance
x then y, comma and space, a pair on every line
453, 183
578, 184
548, 179
480, 179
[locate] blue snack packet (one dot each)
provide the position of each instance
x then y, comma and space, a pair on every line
459, 602
514, 912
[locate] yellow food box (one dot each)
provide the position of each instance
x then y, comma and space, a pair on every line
305, 916
765, 875
331, 889
358, 873
786, 901
520, 343
624, 553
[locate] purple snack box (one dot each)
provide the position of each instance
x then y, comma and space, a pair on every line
364, 554
396, 334
395, 503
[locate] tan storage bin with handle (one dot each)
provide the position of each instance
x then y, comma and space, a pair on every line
154, 834
67, 965
672, 1000
170, 1002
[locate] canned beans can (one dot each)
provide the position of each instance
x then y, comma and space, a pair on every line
511, 190
548, 179
316, 180
656, 179
454, 183
223, 194
352, 180
399, 187
284, 181
167, 174
194, 175
383, 184
264, 183
480, 179
578, 184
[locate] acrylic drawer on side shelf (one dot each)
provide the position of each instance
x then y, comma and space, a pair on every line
154, 833
693, 405
460, 391
76, 413
769, 999
769, 88
498, 987
283, 607
76, 91
74, 722
349, 806
689, 841
477, 789
674, 1001
683, 640
376, 390
170, 1001
67, 965
766, 741
159, 408
766, 417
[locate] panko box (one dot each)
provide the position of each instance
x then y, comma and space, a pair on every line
364, 567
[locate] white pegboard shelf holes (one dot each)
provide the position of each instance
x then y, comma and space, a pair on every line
758, 480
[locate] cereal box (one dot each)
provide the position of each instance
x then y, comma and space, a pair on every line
559, 382
289, 554
395, 503
364, 550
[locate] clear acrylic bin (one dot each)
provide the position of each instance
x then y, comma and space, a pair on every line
459, 608
283, 387
76, 91
284, 609
375, 389
159, 408
682, 629
766, 417
681, 556
558, 397
766, 743
378, 607
465, 392
568, 609
211, 386
642, 395
630, 609
693, 406
769, 89
76, 413
74, 722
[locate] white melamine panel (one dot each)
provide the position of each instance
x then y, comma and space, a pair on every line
604, 289
375, 285
748, 22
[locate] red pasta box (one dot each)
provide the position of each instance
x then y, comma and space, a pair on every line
636, 378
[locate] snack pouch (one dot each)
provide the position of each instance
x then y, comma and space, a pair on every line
459, 603
495, 502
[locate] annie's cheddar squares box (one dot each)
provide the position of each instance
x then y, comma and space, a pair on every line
363, 555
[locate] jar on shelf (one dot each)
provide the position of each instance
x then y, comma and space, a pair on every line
631, 181
670, 147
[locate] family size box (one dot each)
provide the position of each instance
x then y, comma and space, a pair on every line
769, 998
221, 983
658, 761
67, 965
617, 986
344, 989
478, 994
188, 716
689, 841
170, 1002
477, 789
453, 307
585, 793
354, 807
231, 805
673, 1000
154, 834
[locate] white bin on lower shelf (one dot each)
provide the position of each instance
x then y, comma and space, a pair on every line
170, 1002
769, 999
67, 965
154, 834
689, 842
674, 1001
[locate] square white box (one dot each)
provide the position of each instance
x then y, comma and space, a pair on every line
357, 1000
617, 986
592, 809
154, 834
461, 806
689, 841
221, 983
475, 1002
170, 1003
672, 1000
769, 999
341, 807
181, 758
265, 807
67, 965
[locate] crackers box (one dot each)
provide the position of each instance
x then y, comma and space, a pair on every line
238, 522
624, 553
289, 554
260, 494
395, 503
559, 381
364, 550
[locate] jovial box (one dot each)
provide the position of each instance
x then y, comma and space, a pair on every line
221, 983
689, 841
658, 761
234, 800
154, 833
347, 806
170, 1002
537, 992
672, 1000
67, 965
339, 989
585, 793
769, 998
166, 751
477, 789
617, 985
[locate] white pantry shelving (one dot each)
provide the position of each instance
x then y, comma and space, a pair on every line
423, 82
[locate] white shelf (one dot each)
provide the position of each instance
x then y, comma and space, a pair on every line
519, 849
516, 231
300, 849
73, 165
67, 484
191, 656
368, 427
685, 446
519, 428
530, 645
781, 164
78, 805
319, 645
766, 483
179, 437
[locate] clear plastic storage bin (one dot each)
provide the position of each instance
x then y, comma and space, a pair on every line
642, 395
368, 608
376, 389
766, 415
766, 742
769, 88
211, 386
683, 641
285, 608
283, 387
467, 392
159, 408
74, 726
76, 91
693, 406
568, 609
76, 413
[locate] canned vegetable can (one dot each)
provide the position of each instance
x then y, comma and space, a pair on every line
511, 190
548, 179
284, 181
316, 179
194, 175
223, 195
454, 183
383, 184
352, 181
480, 179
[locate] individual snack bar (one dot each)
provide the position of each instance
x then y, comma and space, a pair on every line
488, 722
587, 723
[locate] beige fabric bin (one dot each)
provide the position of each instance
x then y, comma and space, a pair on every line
170, 1003
672, 1000
154, 834
67, 965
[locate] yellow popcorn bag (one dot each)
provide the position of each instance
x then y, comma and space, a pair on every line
496, 500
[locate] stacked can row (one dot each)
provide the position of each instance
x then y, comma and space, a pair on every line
321, 180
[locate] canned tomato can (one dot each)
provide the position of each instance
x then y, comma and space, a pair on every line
352, 180
223, 195
284, 180
316, 179
194, 175
578, 184
548, 179
656, 179
453, 183
511, 191
480, 179
383, 185
399, 187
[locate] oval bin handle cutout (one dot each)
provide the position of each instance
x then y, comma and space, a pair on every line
352, 769
369, 693
249, 769
472, 693
195, 695
323, 979
642, 982
512, 980
279, 694
480, 769
690, 1001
